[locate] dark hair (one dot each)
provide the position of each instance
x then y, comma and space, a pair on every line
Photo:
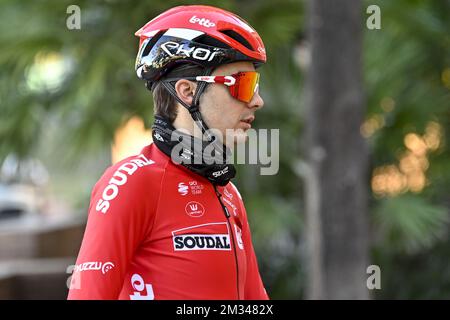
165, 104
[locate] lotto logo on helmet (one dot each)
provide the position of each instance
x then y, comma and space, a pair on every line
202, 21
210, 236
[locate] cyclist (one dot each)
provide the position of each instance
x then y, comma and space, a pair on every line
168, 223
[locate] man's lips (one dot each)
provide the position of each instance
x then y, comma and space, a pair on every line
249, 120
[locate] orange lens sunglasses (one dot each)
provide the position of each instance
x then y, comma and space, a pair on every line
242, 85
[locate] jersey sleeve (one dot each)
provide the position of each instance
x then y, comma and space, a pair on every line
254, 287
120, 216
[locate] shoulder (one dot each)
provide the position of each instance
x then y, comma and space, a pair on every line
134, 179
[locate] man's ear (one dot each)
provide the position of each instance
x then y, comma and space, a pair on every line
185, 90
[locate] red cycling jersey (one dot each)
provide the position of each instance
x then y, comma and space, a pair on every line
156, 230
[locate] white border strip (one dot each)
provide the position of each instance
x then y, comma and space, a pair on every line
183, 33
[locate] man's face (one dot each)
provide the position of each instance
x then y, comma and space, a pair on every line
221, 111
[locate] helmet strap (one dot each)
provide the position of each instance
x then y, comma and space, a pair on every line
193, 109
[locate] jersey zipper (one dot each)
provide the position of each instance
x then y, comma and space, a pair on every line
227, 215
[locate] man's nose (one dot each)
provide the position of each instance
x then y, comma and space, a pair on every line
256, 102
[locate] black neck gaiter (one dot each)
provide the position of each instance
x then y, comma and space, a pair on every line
208, 159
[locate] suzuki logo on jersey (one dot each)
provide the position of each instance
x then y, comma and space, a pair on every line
210, 236
119, 178
104, 267
183, 189
202, 21
194, 209
142, 291
175, 48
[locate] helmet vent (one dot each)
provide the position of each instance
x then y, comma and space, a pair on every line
210, 41
236, 36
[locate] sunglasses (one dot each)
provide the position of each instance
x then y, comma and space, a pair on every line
242, 85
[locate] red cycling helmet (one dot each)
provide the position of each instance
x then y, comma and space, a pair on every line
202, 35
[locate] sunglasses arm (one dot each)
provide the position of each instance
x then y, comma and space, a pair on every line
226, 80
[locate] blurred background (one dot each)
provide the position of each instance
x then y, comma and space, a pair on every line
363, 115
